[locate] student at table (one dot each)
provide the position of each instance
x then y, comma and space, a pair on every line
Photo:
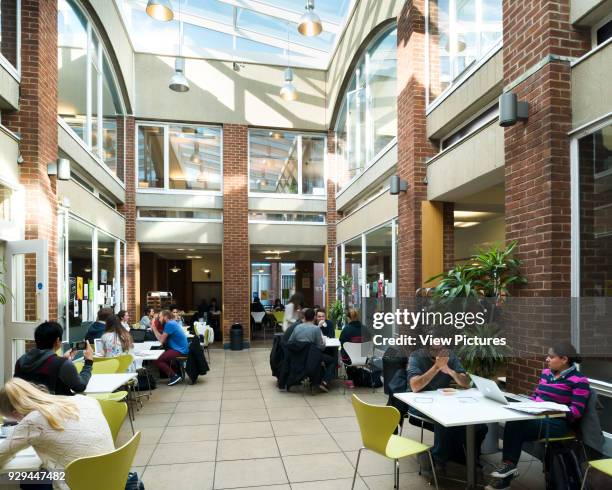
60, 429
292, 310
116, 340
560, 382
278, 305
327, 326
354, 332
214, 315
307, 331
124, 318
96, 329
176, 315
175, 340
147, 318
256, 306
42, 365
433, 368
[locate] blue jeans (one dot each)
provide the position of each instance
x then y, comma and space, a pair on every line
516, 433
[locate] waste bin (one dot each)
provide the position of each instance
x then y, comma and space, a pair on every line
236, 337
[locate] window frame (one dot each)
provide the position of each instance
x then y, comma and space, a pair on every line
166, 137
299, 194
14, 71
179, 220
273, 222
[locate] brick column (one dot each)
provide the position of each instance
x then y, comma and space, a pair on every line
36, 123
537, 173
332, 219
448, 231
236, 252
413, 147
126, 146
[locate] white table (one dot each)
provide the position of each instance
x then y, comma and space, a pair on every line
148, 355
107, 383
468, 408
139, 346
24, 460
332, 342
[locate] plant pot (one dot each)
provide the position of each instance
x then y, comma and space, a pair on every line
490, 444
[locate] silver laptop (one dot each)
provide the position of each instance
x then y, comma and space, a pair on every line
490, 390
98, 348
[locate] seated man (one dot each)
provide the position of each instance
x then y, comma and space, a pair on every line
42, 365
307, 331
175, 341
256, 306
96, 329
326, 326
561, 383
431, 369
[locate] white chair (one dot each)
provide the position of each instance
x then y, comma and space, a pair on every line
258, 317
355, 352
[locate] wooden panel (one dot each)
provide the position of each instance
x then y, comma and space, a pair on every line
431, 240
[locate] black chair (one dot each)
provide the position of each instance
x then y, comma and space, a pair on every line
138, 335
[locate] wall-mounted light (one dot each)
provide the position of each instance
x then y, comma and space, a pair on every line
59, 168
511, 110
397, 185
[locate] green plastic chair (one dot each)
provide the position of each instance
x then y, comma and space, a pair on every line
104, 472
125, 361
603, 465
338, 332
107, 366
114, 413
377, 424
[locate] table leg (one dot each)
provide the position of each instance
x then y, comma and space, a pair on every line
470, 442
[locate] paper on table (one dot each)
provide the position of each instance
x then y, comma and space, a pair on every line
534, 407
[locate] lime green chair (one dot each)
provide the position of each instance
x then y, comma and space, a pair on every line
338, 332
104, 472
377, 424
603, 465
125, 361
114, 413
107, 366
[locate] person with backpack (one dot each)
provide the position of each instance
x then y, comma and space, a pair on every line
560, 382
42, 365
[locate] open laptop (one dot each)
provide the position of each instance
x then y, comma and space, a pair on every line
98, 348
490, 390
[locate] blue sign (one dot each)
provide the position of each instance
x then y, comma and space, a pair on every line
39, 286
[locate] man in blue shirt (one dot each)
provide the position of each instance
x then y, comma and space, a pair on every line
175, 342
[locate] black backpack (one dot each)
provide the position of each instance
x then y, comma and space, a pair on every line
564, 464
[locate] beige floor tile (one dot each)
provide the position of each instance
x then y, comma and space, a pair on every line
168, 394
266, 487
408, 481
327, 399
254, 415
153, 408
254, 472
291, 428
192, 433
192, 476
291, 400
242, 404
201, 395
143, 454
311, 467
372, 464
335, 410
291, 413
341, 484
246, 430
157, 420
306, 444
238, 386
184, 452
198, 406
242, 395
149, 435
194, 418
341, 424
348, 441
232, 449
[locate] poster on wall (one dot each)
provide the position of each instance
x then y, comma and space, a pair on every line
263, 295
85, 311
305, 282
90, 287
79, 288
103, 276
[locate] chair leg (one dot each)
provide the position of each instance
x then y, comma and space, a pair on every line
356, 465
433, 469
397, 469
584, 479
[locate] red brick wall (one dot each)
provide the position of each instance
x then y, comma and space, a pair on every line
413, 147
36, 123
332, 219
236, 260
537, 174
448, 235
129, 211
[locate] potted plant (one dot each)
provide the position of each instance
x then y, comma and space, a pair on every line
337, 311
4, 289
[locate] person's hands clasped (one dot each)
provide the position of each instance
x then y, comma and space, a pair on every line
442, 362
88, 353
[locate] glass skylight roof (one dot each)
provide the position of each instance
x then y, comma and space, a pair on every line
258, 31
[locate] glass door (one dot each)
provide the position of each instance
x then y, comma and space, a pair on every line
27, 303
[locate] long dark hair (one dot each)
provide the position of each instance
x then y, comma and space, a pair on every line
113, 325
297, 299
566, 349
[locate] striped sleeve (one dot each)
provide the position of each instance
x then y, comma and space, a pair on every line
580, 396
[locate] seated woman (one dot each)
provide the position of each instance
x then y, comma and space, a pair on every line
354, 332
60, 429
124, 318
561, 383
116, 340
278, 306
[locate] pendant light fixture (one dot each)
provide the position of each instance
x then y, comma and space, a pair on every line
310, 23
179, 82
175, 269
288, 91
160, 10
195, 156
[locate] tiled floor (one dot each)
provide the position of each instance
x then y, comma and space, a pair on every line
235, 429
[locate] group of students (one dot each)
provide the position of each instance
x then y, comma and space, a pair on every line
561, 382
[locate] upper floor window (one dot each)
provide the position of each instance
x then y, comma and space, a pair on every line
179, 157
282, 162
461, 32
88, 97
10, 31
367, 120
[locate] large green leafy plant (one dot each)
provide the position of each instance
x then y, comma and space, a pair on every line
3, 287
337, 311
